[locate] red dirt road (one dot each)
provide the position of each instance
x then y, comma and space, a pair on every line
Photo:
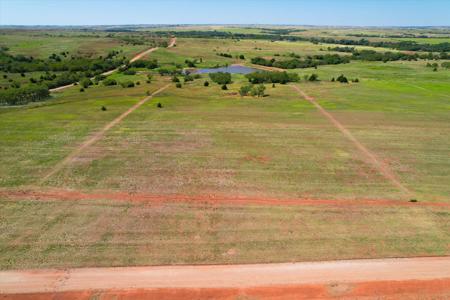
317, 280
54, 194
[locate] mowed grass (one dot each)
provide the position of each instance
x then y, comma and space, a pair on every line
208, 141
44, 234
38, 136
400, 111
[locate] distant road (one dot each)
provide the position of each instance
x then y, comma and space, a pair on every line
137, 57
225, 276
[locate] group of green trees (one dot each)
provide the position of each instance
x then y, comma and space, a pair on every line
220, 78
24, 95
272, 77
253, 90
308, 62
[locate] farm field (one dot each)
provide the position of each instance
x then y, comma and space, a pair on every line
201, 175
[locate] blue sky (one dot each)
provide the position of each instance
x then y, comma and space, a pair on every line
311, 12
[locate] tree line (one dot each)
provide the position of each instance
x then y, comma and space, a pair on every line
296, 63
401, 45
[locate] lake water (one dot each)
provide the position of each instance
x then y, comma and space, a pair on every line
230, 69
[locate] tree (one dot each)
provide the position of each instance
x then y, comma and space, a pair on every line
224, 87
206, 84
178, 85
175, 79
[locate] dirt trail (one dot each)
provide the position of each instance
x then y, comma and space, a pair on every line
225, 276
137, 57
383, 168
97, 136
54, 194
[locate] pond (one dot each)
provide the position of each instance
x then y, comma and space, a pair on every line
234, 69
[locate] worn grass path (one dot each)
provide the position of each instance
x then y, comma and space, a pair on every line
371, 158
97, 136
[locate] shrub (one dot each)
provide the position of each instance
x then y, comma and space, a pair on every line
342, 79
313, 77
85, 82
258, 90
178, 85
241, 56
245, 90
81, 90
127, 84
356, 80
175, 79
206, 83
129, 72
138, 83
224, 87
109, 81
159, 105
103, 108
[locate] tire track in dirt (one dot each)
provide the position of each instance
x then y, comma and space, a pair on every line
383, 168
71, 195
97, 136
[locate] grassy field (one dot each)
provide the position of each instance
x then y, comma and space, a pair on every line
41, 45
42, 234
207, 142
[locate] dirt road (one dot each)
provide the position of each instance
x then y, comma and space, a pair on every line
137, 57
225, 276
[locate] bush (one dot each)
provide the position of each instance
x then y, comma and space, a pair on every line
342, 79
224, 87
159, 105
241, 56
206, 83
313, 77
178, 85
109, 82
81, 90
103, 108
356, 80
258, 90
245, 90
127, 84
138, 83
85, 82
129, 72
175, 79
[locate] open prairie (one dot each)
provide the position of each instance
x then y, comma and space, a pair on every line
163, 172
